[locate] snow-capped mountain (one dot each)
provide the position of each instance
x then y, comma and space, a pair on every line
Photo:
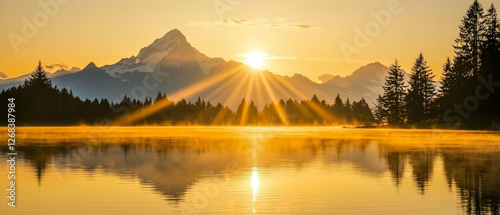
171, 47
171, 65
371, 77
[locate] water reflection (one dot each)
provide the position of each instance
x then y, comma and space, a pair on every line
476, 173
183, 164
255, 187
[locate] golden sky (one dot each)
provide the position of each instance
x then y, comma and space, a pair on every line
300, 36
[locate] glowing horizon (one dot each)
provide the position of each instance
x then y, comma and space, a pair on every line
307, 43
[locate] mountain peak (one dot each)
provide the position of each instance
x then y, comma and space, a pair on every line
299, 76
175, 31
91, 65
173, 40
370, 70
171, 35
376, 63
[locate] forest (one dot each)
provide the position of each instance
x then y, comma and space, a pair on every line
40, 103
466, 96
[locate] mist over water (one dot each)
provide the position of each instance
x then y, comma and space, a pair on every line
254, 170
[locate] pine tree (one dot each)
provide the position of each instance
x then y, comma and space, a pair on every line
38, 79
491, 46
338, 107
159, 96
448, 79
490, 67
421, 92
362, 112
38, 92
449, 86
469, 41
242, 109
348, 110
394, 93
252, 113
379, 111
459, 79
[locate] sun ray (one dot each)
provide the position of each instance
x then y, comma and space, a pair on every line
277, 84
281, 113
318, 109
224, 86
286, 92
232, 97
189, 91
284, 87
244, 115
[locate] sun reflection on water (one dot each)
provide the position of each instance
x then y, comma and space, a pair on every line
255, 187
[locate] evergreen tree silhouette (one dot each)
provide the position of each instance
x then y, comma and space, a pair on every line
469, 41
421, 92
380, 111
38, 79
448, 80
338, 107
242, 107
252, 113
362, 112
394, 93
477, 54
490, 60
348, 111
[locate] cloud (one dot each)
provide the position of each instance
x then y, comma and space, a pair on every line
60, 66
276, 23
56, 66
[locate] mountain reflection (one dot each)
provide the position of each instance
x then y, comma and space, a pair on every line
173, 165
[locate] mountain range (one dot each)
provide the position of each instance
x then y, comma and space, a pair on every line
173, 66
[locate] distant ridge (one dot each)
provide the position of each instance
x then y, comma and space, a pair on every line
171, 64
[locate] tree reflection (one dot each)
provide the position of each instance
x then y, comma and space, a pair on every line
422, 163
476, 175
174, 165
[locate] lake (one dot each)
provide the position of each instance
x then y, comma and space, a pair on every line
253, 170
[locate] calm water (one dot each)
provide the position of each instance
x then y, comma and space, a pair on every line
247, 170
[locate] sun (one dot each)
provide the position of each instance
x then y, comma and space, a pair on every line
256, 59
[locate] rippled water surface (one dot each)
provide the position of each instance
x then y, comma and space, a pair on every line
253, 170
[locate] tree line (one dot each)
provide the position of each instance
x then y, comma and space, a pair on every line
466, 96
39, 103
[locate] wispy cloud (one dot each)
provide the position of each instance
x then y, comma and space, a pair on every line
276, 23
58, 66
